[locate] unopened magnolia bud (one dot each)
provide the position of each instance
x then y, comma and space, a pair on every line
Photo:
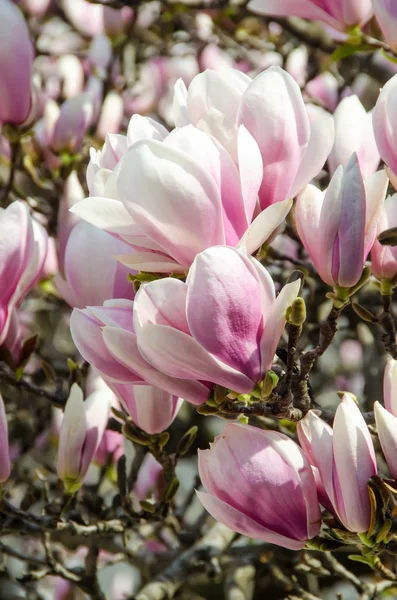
187, 440
269, 383
296, 314
131, 432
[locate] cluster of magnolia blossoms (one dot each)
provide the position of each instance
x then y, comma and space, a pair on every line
342, 15
199, 201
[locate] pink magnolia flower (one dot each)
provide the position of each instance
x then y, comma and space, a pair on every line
271, 108
88, 331
324, 90
221, 326
384, 258
385, 127
112, 444
339, 14
386, 15
338, 226
205, 199
111, 115
150, 478
354, 133
297, 64
260, 484
75, 117
345, 459
83, 426
70, 70
72, 193
90, 273
36, 8
5, 463
16, 59
95, 19
386, 418
23, 249
151, 408
390, 386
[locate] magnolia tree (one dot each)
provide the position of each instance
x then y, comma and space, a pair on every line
198, 256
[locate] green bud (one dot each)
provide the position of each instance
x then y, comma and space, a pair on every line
297, 314
171, 490
186, 441
131, 432
244, 420
270, 382
163, 439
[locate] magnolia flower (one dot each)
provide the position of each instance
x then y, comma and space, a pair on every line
386, 418
88, 331
271, 108
338, 226
386, 15
82, 429
339, 14
354, 133
385, 127
384, 258
345, 460
205, 200
99, 276
95, 19
16, 59
259, 483
221, 326
23, 249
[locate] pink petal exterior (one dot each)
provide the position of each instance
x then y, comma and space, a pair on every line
345, 460
386, 15
5, 463
72, 436
83, 426
75, 118
86, 329
261, 485
386, 425
293, 151
338, 14
324, 90
92, 19
99, 276
385, 125
23, 249
390, 386
189, 330
384, 258
346, 214
149, 407
16, 59
354, 133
